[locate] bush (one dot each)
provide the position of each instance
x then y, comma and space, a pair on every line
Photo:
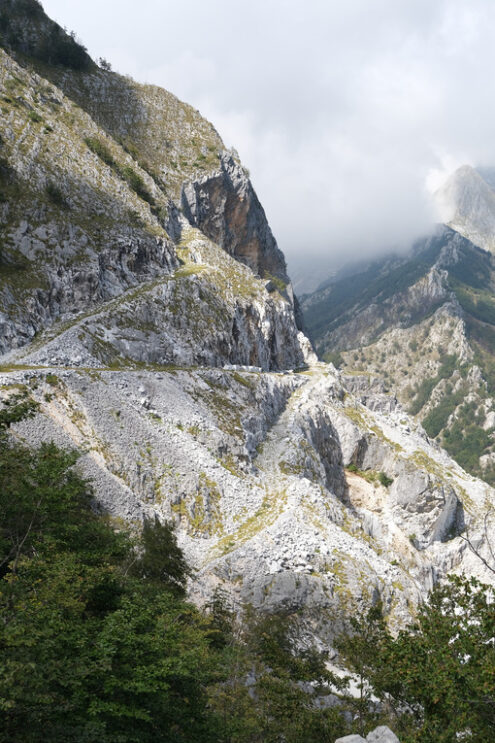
125, 172
55, 195
34, 116
436, 677
62, 50
100, 149
385, 480
137, 184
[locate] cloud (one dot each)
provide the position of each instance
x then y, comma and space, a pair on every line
345, 113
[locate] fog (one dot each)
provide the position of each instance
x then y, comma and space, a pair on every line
346, 114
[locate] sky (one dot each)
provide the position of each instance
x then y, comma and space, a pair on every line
347, 114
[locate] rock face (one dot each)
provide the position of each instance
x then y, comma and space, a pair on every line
159, 336
382, 734
466, 202
225, 207
84, 224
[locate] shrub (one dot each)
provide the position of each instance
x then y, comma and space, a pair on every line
100, 149
385, 480
55, 195
34, 116
63, 50
137, 184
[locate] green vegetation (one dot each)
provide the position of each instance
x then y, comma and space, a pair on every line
438, 416
480, 304
385, 480
55, 195
34, 116
53, 47
371, 476
436, 678
423, 392
380, 281
126, 172
333, 357
100, 149
466, 440
279, 283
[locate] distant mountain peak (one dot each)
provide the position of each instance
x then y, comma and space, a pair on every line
466, 202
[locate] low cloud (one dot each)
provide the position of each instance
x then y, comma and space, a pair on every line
347, 114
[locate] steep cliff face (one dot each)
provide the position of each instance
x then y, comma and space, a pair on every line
225, 207
466, 202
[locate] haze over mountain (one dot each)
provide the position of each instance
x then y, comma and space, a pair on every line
424, 322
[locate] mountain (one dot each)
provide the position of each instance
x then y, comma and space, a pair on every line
424, 324
466, 202
146, 307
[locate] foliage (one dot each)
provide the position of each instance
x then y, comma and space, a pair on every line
35, 116
437, 677
385, 480
437, 418
382, 279
160, 559
333, 357
427, 386
55, 195
261, 702
89, 651
126, 172
61, 49
136, 183
100, 149
359, 649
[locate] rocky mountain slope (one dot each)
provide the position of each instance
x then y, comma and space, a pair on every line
423, 327
146, 307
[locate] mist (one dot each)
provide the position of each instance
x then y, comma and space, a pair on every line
346, 114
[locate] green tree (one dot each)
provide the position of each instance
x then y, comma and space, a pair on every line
160, 558
88, 651
361, 650
437, 677
270, 693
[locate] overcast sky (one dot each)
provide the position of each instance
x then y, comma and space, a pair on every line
342, 110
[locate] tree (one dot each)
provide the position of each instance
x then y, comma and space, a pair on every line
161, 559
269, 694
360, 649
437, 677
89, 652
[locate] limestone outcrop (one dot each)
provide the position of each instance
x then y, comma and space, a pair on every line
381, 734
225, 207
